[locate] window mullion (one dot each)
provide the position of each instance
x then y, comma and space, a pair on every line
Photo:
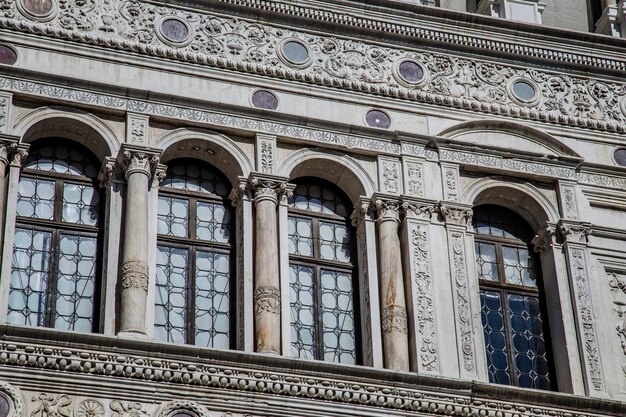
317, 283
58, 201
509, 337
190, 311
191, 221
53, 276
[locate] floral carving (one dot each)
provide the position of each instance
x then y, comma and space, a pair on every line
89, 408
135, 275
617, 284
126, 409
48, 405
569, 203
267, 299
414, 179
137, 131
451, 184
267, 156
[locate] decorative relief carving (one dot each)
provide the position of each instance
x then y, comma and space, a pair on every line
544, 239
134, 161
19, 155
358, 217
137, 130
265, 153
389, 176
416, 209
7, 148
267, 299
394, 319
414, 173
617, 284
15, 397
462, 300
451, 183
48, 405
586, 318
134, 275
5, 102
425, 311
89, 408
251, 47
575, 232
250, 378
569, 203
268, 186
456, 215
387, 209
173, 407
126, 409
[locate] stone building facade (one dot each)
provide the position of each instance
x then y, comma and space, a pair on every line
338, 208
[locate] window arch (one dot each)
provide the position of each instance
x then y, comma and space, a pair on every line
194, 257
516, 332
57, 247
322, 281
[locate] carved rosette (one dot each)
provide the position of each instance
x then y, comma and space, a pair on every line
89, 408
394, 320
135, 275
267, 299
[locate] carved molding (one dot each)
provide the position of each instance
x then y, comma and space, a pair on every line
238, 377
267, 299
248, 46
189, 407
394, 319
15, 397
134, 275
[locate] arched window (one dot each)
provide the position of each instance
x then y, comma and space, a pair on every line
321, 274
512, 302
56, 251
194, 257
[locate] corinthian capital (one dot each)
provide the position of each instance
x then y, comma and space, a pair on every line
456, 214
271, 187
387, 208
575, 232
8, 146
418, 208
135, 159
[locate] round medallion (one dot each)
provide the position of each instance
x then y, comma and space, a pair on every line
8, 56
264, 100
620, 157
5, 406
410, 72
377, 118
174, 31
89, 408
41, 10
295, 52
524, 91
182, 414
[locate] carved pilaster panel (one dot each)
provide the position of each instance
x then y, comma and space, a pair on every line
451, 182
568, 200
6, 106
413, 170
266, 153
137, 129
588, 337
463, 310
389, 175
617, 284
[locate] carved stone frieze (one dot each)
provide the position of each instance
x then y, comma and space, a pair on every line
181, 406
248, 46
126, 409
394, 319
418, 208
89, 408
50, 405
134, 275
267, 299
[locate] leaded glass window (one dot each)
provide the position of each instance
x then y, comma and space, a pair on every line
511, 294
55, 264
194, 257
321, 274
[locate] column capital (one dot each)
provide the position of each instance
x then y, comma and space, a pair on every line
387, 208
456, 214
361, 211
418, 208
137, 159
272, 187
574, 232
18, 154
240, 192
8, 145
544, 239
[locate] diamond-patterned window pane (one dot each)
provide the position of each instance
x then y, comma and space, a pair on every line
318, 199
519, 266
213, 222
35, 198
80, 204
212, 324
492, 316
338, 317
300, 236
170, 318
173, 216
192, 176
303, 311
30, 276
486, 263
335, 242
62, 158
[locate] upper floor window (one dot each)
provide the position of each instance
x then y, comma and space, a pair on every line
194, 257
511, 293
321, 274
56, 251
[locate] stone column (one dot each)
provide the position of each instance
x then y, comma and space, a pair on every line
393, 302
458, 219
267, 303
139, 165
8, 145
575, 235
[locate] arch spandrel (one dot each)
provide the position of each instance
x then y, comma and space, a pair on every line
72, 124
342, 171
216, 149
509, 136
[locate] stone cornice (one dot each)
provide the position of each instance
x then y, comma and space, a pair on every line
251, 47
73, 355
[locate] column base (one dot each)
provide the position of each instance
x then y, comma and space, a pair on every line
133, 334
